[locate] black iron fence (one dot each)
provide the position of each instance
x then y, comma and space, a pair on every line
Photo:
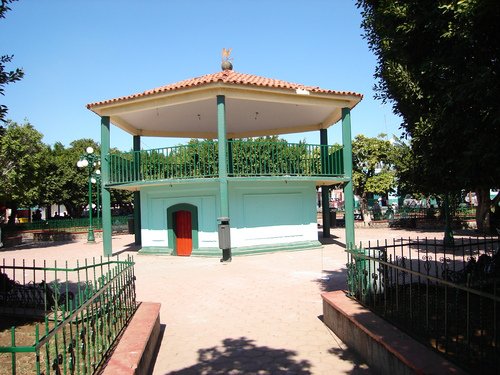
407, 212
446, 297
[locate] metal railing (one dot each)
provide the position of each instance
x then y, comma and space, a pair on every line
69, 225
419, 213
279, 159
446, 297
71, 316
244, 159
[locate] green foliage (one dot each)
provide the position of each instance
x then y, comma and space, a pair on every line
67, 184
23, 162
373, 165
263, 156
267, 156
438, 64
11, 76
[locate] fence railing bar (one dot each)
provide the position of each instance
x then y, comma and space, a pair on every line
430, 277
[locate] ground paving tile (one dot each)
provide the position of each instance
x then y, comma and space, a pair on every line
258, 314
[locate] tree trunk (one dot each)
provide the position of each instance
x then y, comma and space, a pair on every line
364, 210
74, 211
13, 213
483, 209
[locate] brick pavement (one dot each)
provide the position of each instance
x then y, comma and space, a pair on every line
256, 315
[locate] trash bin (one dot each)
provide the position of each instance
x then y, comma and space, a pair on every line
224, 232
131, 229
333, 217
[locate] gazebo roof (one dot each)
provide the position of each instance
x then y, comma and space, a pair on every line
255, 106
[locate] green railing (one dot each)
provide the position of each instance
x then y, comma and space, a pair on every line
280, 159
405, 212
69, 225
65, 320
446, 297
244, 159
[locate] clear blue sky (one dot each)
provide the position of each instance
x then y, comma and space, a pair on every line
77, 52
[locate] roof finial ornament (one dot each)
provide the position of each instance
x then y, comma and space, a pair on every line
226, 60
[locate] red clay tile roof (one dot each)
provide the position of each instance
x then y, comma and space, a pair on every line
228, 77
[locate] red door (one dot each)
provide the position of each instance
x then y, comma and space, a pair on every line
182, 229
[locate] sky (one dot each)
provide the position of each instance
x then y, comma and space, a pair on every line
82, 51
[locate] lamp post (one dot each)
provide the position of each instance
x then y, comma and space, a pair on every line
89, 161
96, 179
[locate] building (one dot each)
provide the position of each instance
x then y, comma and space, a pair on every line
263, 193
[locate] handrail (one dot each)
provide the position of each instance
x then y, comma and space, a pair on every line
85, 323
245, 158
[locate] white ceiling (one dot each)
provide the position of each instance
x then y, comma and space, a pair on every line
242, 117
250, 111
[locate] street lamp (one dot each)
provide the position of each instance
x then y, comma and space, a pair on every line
96, 179
89, 161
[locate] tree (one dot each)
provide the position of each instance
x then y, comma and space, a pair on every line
438, 64
23, 163
373, 171
65, 183
249, 156
11, 76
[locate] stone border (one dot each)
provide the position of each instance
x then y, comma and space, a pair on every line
136, 349
384, 347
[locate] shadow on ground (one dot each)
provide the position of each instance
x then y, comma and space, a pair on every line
35, 245
241, 356
359, 367
129, 247
330, 240
333, 280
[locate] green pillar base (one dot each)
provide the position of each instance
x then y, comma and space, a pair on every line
90, 236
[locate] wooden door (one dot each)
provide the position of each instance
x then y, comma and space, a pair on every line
183, 233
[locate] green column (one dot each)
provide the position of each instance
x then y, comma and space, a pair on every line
348, 188
325, 197
230, 157
137, 194
106, 196
221, 133
224, 223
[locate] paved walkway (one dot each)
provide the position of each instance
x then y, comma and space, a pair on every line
258, 314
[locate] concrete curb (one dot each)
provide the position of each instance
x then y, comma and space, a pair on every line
134, 353
384, 347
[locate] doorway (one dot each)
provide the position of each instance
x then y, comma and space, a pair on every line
183, 233
182, 225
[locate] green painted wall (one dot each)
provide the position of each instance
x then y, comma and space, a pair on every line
157, 199
272, 213
262, 213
